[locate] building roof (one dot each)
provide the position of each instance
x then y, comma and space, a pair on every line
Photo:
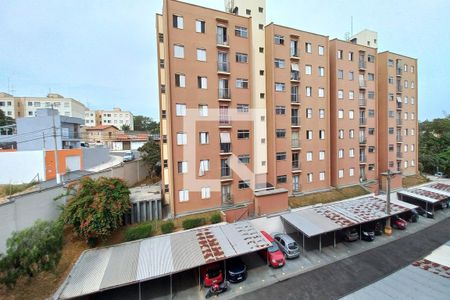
318, 220
132, 137
145, 193
127, 263
101, 127
432, 193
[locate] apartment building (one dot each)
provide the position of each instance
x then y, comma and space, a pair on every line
249, 108
297, 66
354, 112
397, 89
116, 117
18, 107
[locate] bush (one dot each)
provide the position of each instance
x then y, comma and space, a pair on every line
194, 222
216, 218
30, 251
139, 231
167, 227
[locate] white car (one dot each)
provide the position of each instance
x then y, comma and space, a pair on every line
129, 156
440, 175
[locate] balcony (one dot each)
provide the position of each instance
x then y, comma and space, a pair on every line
399, 154
222, 41
362, 121
399, 105
362, 159
295, 144
295, 76
399, 139
295, 121
223, 67
224, 94
295, 99
362, 64
225, 173
224, 121
362, 140
399, 122
225, 148
296, 165
399, 87
362, 84
399, 71
227, 199
362, 101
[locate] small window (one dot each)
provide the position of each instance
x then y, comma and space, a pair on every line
321, 155
281, 133
180, 110
308, 91
178, 22
308, 48
182, 167
244, 159
243, 134
242, 107
206, 192
309, 177
281, 155
248, 12
371, 77
321, 92
309, 113
280, 110
244, 184
280, 87
279, 63
161, 37
241, 57
390, 62
260, 9
202, 82
278, 39
178, 51
309, 134
350, 56
371, 58
242, 83
241, 31
261, 26
340, 54
201, 54
321, 71
161, 63
309, 156
340, 74
204, 138
203, 110
308, 69
322, 113
200, 26
282, 179
321, 50
183, 195
181, 138
180, 80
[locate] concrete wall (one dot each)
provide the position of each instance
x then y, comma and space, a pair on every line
94, 156
22, 211
21, 166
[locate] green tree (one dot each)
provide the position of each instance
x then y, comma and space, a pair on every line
30, 251
96, 207
151, 154
126, 127
434, 145
142, 123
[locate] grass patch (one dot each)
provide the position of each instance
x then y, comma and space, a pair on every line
11, 189
139, 231
328, 196
167, 227
413, 180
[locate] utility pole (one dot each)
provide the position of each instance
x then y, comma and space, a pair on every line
43, 140
58, 176
388, 228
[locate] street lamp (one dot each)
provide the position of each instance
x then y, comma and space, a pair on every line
388, 228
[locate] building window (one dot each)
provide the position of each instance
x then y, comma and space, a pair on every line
371, 113
278, 39
161, 37
391, 130
390, 62
370, 58
351, 152
412, 84
181, 138
308, 69
309, 177
206, 192
321, 155
241, 31
351, 172
279, 63
341, 173
321, 71
309, 134
244, 184
279, 87
322, 134
161, 63
200, 26
180, 80
350, 56
371, 94
321, 176
371, 149
202, 82
391, 147
241, 57
244, 159
281, 155
391, 80
180, 110
282, 179
242, 107
308, 91
201, 54
321, 113
203, 110
351, 95
340, 94
340, 54
162, 88
183, 195
351, 114
178, 51
321, 92
341, 133
371, 131
261, 49
281, 133
309, 112
260, 9
204, 138
242, 83
350, 75
321, 50
341, 153
340, 74
182, 167
280, 110
178, 22
248, 12
371, 77
340, 114
308, 47
243, 134
309, 156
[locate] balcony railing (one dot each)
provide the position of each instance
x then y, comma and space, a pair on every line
399, 71
222, 40
399, 105
362, 140
225, 172
399, 88
295, 98
294, 52
295, 75
295, 143
224, 93
362, 121
295, 165
362, 159
362, 64
227, 199
362, 101
70, 135
224, 121
223, 67
225, 147
295, 121
399, 139
399, 122
399, 154
362, 83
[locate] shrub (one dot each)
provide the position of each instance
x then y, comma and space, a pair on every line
216, 218
167, 227
194, 222
139, 231
30, 251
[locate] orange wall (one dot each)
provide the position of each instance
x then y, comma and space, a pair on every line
271, 203
62, 154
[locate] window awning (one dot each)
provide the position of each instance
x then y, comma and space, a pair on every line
225, 137
294, 67
399, 99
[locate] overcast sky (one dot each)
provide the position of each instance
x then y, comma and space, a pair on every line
102, 52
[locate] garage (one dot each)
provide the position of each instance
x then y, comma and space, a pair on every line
73, 163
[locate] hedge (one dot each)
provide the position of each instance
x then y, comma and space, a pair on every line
216, 218
139, 231
194, 222
167, 227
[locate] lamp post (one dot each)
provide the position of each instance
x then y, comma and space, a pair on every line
388, 228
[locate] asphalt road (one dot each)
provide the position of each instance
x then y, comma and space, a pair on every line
348, 275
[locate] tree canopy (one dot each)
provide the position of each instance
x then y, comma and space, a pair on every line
5, 120
142, 123
151, 154
434, 145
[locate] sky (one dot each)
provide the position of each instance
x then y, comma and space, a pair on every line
103, 52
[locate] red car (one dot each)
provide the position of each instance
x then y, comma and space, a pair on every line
211, 274
398, 223
273, 254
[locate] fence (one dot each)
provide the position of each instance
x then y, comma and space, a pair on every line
23, 210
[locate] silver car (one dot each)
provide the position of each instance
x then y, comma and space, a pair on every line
287, 244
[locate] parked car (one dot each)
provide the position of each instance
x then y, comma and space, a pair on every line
129, 156
211, 274
398, 223
351, 235
236, 270
378, 227
273, 254
368, 234
287, 244
440, 175
410, 216
424, 213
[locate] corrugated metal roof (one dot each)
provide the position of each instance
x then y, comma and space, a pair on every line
439, 191
310, 222
126, 263
417, 196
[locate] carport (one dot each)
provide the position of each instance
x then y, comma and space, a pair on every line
429, 195
319, 220
139, 261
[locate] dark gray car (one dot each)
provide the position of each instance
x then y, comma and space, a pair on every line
287, 244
